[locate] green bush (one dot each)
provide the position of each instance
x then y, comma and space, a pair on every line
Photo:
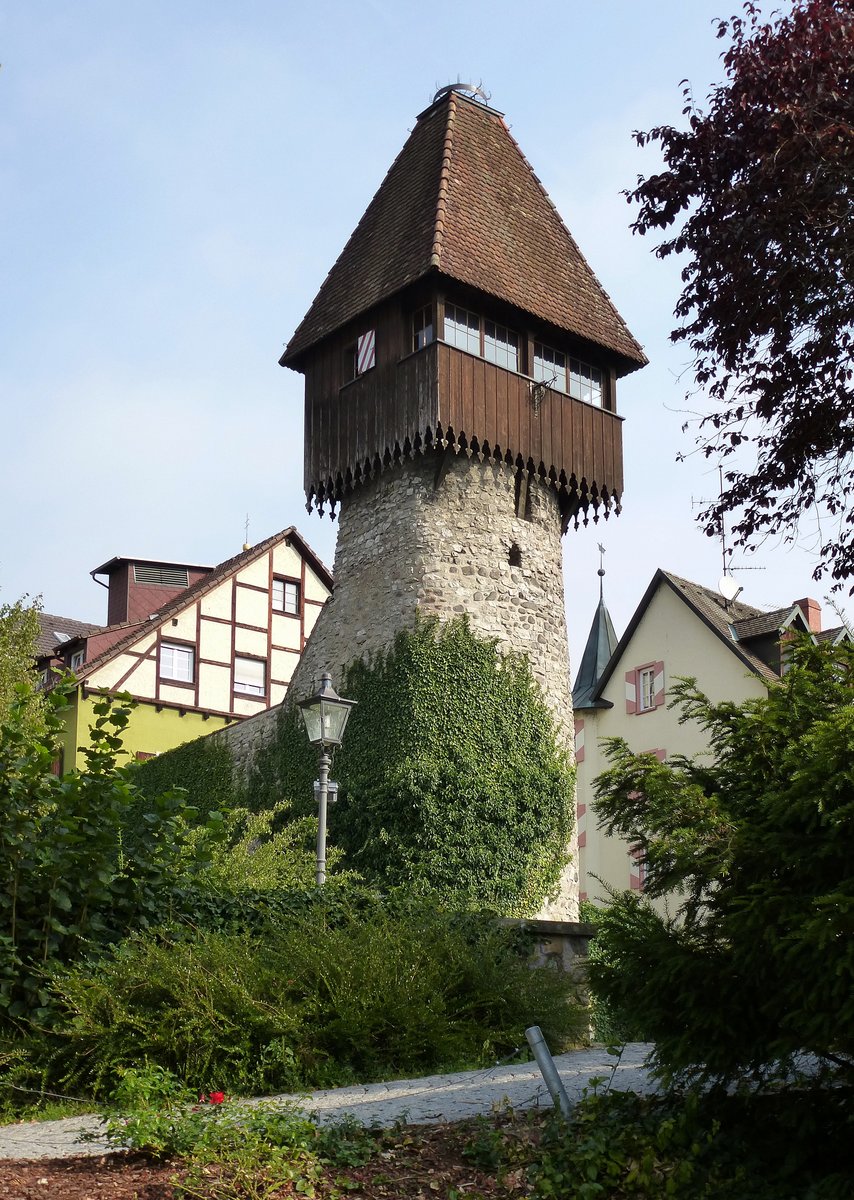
690, 1146
354, 992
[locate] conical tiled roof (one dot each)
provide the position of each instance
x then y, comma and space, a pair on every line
462, 200
601, 644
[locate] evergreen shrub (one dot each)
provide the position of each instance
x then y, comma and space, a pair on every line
373, 989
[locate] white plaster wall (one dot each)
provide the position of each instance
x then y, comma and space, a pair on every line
285, 631
217, 603
282, 665
215, 687
250, 641
215, 641
257, 573
252, 607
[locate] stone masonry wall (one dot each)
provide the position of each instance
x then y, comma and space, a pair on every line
405, 544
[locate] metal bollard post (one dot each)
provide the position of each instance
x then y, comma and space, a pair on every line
547, 1068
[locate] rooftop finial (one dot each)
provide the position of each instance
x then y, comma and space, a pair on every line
601, 571
470, 89
246, 545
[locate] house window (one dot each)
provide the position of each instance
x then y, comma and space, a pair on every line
570, 375
177, 662
286, 597
77, 659
422, 328
637, 868
250, 676
645, 688
487, 339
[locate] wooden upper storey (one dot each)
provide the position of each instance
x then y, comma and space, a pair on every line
424, 391
462, 316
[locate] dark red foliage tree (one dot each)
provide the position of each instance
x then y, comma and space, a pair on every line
759, 191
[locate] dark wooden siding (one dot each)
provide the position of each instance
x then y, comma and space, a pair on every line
562, 439
353, 428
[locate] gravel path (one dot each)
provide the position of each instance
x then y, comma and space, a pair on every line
433, 1099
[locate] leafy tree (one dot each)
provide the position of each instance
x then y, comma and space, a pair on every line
758, 964
759, 187
19, 631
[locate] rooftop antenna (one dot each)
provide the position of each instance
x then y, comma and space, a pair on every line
601, 571
246, 545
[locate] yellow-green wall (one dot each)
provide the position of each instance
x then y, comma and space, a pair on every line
148, 731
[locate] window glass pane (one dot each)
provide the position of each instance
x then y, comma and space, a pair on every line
422, 328
462, 328
250, 676
500, 345
286, 596
176, 662
550, 366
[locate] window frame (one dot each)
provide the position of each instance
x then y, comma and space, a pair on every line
570, 368
465, 341
248, 689
634, 689
422, 328
185, 648
286, 581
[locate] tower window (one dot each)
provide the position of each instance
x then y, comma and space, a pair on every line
487, 339
515, 556
422, 328
570, 375
462, 328
500, 346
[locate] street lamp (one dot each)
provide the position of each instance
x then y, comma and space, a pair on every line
325, 715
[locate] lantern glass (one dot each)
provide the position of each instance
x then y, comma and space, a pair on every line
325, 715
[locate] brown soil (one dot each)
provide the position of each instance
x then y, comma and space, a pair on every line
416, 1162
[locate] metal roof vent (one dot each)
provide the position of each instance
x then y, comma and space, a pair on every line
176, 577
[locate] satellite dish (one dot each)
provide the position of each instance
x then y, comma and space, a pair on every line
727, 587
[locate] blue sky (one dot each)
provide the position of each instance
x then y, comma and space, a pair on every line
175, 181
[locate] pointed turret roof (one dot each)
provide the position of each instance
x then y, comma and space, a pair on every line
601, 644
462, 200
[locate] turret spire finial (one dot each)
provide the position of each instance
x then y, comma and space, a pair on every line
601, 571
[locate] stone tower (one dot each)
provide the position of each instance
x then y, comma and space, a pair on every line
460, 364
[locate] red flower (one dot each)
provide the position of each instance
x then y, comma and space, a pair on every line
216, 1097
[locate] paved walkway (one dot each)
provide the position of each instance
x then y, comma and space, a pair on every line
425, 1101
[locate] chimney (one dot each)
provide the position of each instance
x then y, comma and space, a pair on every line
812, 613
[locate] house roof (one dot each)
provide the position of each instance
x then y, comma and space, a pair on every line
720, 615
54, 631
118, 559
202, 587
462, 200
601, 644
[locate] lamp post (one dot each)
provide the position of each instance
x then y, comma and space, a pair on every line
325, 715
